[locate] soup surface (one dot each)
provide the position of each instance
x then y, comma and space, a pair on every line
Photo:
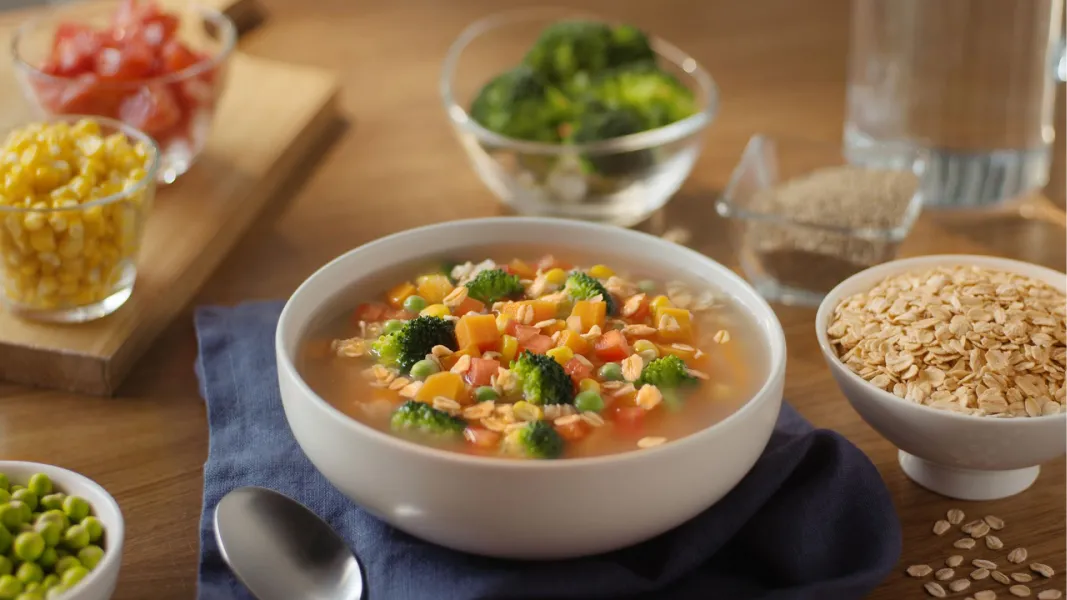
540, 358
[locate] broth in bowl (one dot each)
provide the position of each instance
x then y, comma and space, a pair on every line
537, 359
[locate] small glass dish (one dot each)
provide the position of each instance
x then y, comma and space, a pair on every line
540, 178
177, 109
804, 218
77, 263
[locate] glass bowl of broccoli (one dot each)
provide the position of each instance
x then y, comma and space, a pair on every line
570, 115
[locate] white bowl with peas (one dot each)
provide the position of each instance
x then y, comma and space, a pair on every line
61, 534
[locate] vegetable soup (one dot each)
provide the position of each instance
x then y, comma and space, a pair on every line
543, 358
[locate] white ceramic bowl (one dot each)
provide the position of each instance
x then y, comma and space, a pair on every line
100, 583
961, 456
525, 509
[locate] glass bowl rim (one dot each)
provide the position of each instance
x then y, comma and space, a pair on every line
651, 138
726, 206
226, 26
149, 179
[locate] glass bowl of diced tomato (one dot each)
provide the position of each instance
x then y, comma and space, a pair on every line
160, 69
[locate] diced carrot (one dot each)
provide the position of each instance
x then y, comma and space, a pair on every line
667, 317
478, 437
590, 313
469, 305
612, 346
574, 431
449, 361
523, 270
628, 419
478, 330
682, 351
642, 312
574, 341
434, 287
578, 370
482, 371
445, 383
538, 344
398, 294
557, 325
542, 309
369, 312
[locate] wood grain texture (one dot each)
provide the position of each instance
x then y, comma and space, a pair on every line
781, 68
193, 224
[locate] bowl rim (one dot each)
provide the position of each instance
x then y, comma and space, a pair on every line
886, 269
651, 138
129, 131
113, 554
774, 340
226, 27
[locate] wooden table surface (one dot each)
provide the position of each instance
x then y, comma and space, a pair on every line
780, 65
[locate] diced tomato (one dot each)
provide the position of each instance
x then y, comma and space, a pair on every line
642, 311
628, 419
73, 50
469, 305
612, 346
481, 438
132, 62
81, 95
538, 344
177, 56
578, 370
574, 431
153, 109
523, 332
369, 312
126, 19
482, 371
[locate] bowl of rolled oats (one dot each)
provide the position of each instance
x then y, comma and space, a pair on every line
959, 361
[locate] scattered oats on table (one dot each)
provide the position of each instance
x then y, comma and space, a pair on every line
959, 585
955, 516
944, 574
1017, 556
941, 526
1019, 590
934, 589
964, 543
1022, 577
1049, 595
979, 574
993, 542
1042, 569
954, 561
985, 595
982, 563
960, 338
996, 523
1000, 577
919, 570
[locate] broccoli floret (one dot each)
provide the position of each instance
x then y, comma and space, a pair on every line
491, 285
629, 45
537, 439
654, 95
543, 380
421, 418
518, 104
566, 48
412, 342
583, 286
666, 373
597, 122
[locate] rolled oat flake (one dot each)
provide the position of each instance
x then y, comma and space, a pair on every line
934, 589
1019, 590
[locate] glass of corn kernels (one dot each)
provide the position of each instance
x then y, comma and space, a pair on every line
75, 192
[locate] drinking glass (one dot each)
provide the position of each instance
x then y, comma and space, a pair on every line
971, 82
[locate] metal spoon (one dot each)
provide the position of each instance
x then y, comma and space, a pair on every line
280, 550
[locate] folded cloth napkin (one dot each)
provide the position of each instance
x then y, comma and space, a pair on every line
813, 519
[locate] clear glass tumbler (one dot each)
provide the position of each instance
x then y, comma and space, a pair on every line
970, 81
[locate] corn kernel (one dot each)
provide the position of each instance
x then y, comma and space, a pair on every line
525, 411
589, 385
660, 301
561, 354
509, 346
600, 271
43, 240
435, 310
33, 221
502, 321
556, 276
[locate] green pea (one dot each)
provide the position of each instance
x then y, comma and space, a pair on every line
52, 501
29, 572
4, 482
589, 400
611, 372
13, 514
56, 592
485, 393
5, 496
392, 325
6, 566
25, 527
29, 545
646, 285
56, 516
10, 587
61, 551
414, 303
48, 558
40, 484
424, 368
65, 563
49, 581
50, 532
73, 575
76, 507
35, 594
5, 539
95, 528
26, 496
90, 556
31, 587
15, 487
76, 538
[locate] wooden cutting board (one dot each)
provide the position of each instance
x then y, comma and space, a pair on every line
271, 115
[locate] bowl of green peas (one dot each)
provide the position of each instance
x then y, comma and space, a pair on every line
61, 535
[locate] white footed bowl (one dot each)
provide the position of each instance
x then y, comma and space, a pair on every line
100, 583
960, 456
512, 508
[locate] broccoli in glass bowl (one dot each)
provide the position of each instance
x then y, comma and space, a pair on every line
575, 116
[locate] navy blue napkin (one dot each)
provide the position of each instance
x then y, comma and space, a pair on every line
813, 519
